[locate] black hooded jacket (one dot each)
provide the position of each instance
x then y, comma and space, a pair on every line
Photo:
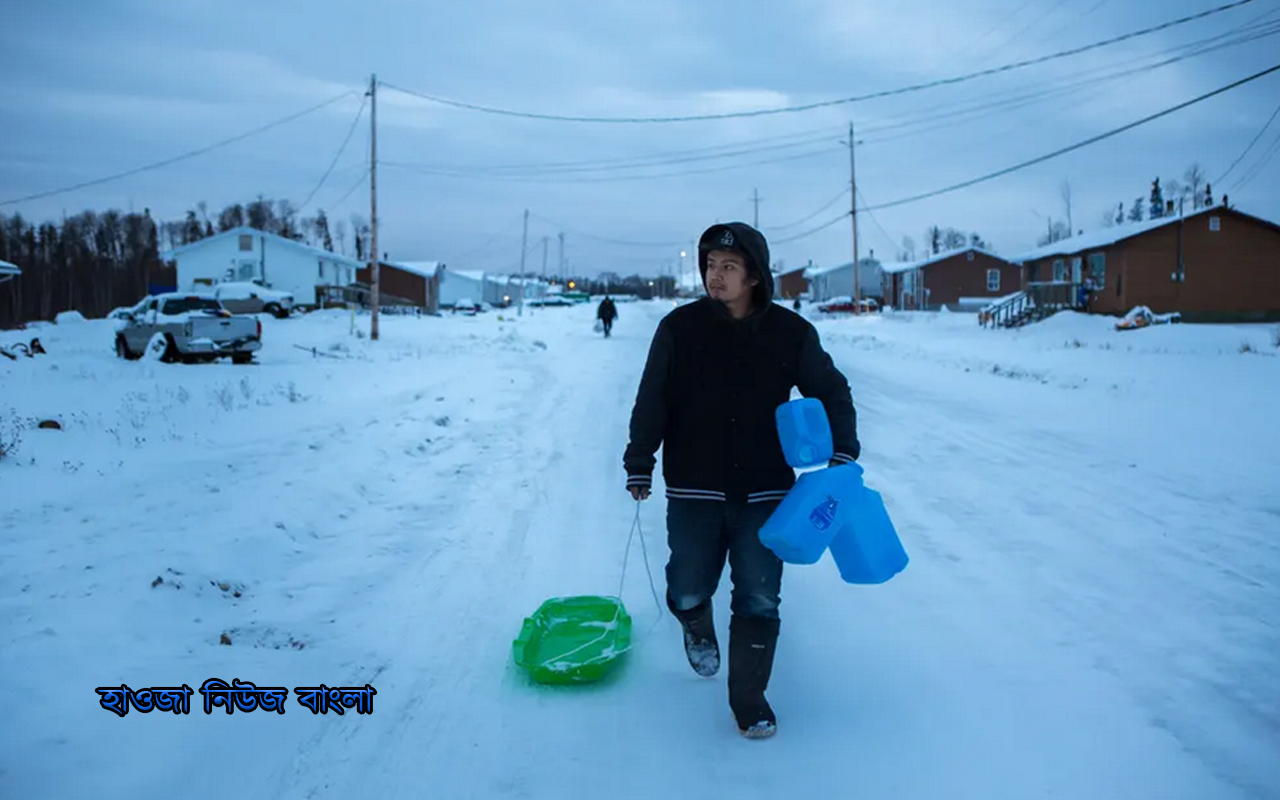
712, 385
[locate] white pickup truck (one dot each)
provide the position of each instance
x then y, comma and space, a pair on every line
252, 297
187, 327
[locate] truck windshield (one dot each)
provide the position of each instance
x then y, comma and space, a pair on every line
182, 305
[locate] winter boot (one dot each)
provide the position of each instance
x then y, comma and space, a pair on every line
700, 644
752, 642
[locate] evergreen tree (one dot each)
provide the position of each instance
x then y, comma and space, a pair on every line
1135, 211
1157, 201
322, 230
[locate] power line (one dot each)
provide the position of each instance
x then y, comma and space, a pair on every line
802, 221
825, 103
166, 162
961, 110
338, 155
445, 172
1257, 168
1078, 145
812, 231
709, 152
1240, 157
536, 170
363, 177
893, 242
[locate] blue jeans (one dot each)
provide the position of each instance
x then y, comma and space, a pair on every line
701, 533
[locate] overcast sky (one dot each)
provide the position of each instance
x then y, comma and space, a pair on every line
94, 88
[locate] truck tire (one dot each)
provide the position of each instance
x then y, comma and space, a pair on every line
123, 351
162, 348
242, 358
275, 310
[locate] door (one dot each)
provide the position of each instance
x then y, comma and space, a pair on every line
139, 332
1077, 269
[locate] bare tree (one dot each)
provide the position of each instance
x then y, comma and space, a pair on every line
1195, 180
340, 231
1064, 190
908, 248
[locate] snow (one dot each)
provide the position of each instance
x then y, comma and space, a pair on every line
69, 318
1107, 236
425, 269
1092, 607
9, 269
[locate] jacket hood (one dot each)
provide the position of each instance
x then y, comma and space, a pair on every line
739, 237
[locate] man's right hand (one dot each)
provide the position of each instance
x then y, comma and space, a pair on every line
639, 492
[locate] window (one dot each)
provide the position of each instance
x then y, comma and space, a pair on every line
321, 264
246, 243
993, 280
1059, 272
1098, 269
1215, 224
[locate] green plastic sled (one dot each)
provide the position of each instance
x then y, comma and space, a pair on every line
573, 639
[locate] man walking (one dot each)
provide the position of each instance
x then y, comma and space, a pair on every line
717, 370
607, 313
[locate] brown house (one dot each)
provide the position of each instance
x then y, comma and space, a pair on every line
958, 279
793, 283
406, 283
1215, 264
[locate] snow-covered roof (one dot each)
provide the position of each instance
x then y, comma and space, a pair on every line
907, 266
426, 269
1106, 237
271, 237
9, 269
793, 270
867, 262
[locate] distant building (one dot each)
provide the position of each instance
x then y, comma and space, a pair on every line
959, 280
1214, 264
246, 254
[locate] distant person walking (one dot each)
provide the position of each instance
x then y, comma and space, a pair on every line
607, 313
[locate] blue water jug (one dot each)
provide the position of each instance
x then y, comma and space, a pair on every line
817, 507
805, 432
866, 548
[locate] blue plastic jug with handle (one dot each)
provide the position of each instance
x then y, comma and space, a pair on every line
866, 548
817, 507
804, 432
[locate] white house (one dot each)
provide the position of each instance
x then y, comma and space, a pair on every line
486, 287
8, 271
829, 282
245, 254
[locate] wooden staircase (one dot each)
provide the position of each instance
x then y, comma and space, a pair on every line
1034, 303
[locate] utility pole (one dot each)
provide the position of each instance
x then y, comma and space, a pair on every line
375, 298
524, 245
755, 199
544, 258
853, 213
561, 272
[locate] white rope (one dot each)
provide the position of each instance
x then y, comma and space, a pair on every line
612, 626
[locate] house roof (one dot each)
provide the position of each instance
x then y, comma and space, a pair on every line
907, 266
271, 237
1107, 237
426, 269
9, 269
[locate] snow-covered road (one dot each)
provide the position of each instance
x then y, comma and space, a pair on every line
1092, 608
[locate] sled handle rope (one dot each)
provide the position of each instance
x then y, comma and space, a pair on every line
636, 526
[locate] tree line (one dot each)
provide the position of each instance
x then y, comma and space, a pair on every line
94, 262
